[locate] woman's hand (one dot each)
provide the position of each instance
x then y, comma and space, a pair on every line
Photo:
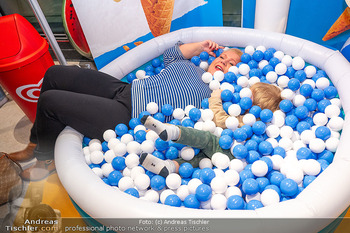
209, 46
194, 49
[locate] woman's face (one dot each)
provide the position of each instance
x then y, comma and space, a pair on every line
224, 61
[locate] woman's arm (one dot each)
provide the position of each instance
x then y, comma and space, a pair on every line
193, 49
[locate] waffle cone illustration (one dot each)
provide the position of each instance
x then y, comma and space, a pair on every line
341, 25
158, 14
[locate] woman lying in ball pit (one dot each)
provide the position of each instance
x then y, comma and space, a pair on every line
92, 102
266, 96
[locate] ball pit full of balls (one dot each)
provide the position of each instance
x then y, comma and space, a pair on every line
277, 154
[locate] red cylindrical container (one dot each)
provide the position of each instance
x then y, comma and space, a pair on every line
24, 59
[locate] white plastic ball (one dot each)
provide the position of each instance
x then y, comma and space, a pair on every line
218, 131
98, 171
193, 184
253, 80
244, 69
262, 64
120, 149
298, 144
249, 119
322, 83
231, 123
96, 157
132, 160
233, 69
106, 169
147, 146
287, 94
142, 182
287, 60
233, 190
204, 65
237, 165
279, 113
219, 173
273, 141
298, 63
311, 167
112, 142
178, 113
249, 49
218, 185
317, 145
279, 54
245, 92
214, 85
234, 110
87, 159
332, 111
272, 131
218, 202
127, 172
296, 174
278, 120
221, 160
335, 134
204, 163
310, 82
282, 81
152, 195
173, 181
310, 71
280, 68
207, 77
277, 161
259, 168
198, 125
286, 131
109, 134
86, 150
182, 192
187, 153
271, 76
164, 194
269, 197
209, 126
206, 205
126, 138
320, 119
231, 177
298, 100
286, 143
332, 144
95, 146
93, 141
261, 48
336, 101
227, 86
207, 115
133, 147
152, 107
152, 136
125, 183
188, 109
336, 123
219, 75
243, 81
140, 74
136, 171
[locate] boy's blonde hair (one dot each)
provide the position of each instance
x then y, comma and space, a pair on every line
266, 96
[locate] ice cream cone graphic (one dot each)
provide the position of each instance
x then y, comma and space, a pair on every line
159, 15
341, 25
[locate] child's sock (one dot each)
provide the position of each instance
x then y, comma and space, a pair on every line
166, 132
156, 165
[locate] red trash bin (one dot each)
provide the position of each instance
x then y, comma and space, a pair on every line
24, 59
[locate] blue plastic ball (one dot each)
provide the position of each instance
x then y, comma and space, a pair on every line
291, 121
279, 151
195, 114
253, 156
225, 142
210, 60
301, 112
236, 98
306, 90
226, 105
104, 146
240, 151
324, 164
246, 57
173, 200
175, 122
106, 180
114, 177
191, 202
294, 84
265, 148
230, 77
134, 122
219, 52
254, 71
156, 62
323, 132
266, 115
308, 180
159, 116
274, 61
121, 129
267, 69
187, 123
161, 145
159, 155
130, 77
94, 165
258, 138
263, 182
158, 70
330, 92
172, 153
167, 109
206, 175
317, 94
186, 170
259, 127
239, 135
268, 54
289, 187
118, 163
250, 186
235, 202
140, 136
238, 88
326, 155
286, 105
227, 132
311, 104
245, 103
251, 145
143, 114
300, 75
254, 204
248, 130
196, 60
322, 104
268, 161
290, 72
205, 103
226, 95
255, 110
274, 187
245, 174
258, 55
203, 192
252, 65
303, 153
196, 173
276, 178
303, 125
132, 192
157, 182
204, 56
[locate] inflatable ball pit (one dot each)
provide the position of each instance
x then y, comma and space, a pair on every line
324, 199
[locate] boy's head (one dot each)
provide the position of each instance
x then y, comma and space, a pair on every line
227, 59
266, 96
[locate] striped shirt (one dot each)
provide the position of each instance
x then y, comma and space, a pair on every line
179, 84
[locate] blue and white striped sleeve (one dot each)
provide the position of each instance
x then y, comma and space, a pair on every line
173, 54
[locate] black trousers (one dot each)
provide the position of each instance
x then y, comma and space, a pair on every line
89, 101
